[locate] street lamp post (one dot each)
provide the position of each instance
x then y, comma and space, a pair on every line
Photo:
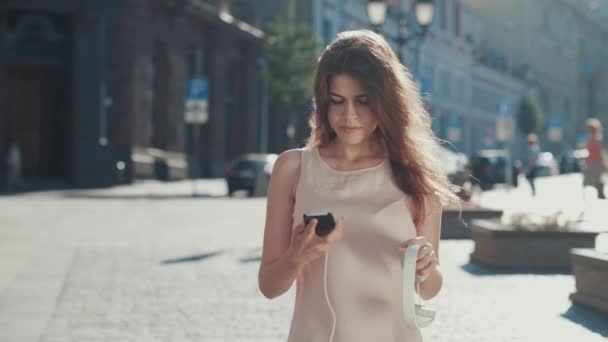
423, 9
376, 12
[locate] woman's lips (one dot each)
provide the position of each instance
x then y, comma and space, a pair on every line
350, 130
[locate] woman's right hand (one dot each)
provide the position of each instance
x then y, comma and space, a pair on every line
306, 246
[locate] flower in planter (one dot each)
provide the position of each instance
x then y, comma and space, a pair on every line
551, 222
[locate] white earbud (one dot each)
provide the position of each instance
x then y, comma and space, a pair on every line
331, 308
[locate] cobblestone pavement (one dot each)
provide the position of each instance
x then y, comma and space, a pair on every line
151, 263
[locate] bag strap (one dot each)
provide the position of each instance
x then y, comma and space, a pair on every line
409, 281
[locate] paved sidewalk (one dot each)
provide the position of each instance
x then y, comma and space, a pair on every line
132, 264
562, 193
153, 189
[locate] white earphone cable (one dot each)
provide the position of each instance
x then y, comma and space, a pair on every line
333, 329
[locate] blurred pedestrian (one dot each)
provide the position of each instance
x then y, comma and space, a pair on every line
517, 168
13, 166
371, 160
595, 163
532, 160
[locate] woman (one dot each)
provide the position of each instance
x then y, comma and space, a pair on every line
371, 161
595, 164
532, 160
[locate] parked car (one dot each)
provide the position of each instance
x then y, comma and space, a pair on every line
572, 161
488, 168
250, 172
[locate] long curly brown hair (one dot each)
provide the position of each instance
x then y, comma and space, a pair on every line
404, 125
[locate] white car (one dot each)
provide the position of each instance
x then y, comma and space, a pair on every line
546, 165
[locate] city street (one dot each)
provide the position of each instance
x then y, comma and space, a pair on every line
108, 107
149, 262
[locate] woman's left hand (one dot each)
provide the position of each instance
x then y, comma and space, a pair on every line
427, 259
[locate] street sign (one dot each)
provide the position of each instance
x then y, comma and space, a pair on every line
554, 131
504, 128
197, 101
454, 130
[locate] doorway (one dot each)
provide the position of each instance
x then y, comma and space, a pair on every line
39, 120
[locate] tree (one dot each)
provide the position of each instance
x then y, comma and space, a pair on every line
290, 62
290, 55
530, 118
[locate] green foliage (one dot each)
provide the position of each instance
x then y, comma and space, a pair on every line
530, 118
290, 62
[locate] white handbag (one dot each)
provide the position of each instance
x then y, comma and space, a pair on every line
416, 314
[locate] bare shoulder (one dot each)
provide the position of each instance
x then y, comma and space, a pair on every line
290, 160
435, 205
288, 163
286, 170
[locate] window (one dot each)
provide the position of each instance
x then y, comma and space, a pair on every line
150, 99
190, 64
428, 74
230, 84
195, 63
444, 83
459, 88
486, 100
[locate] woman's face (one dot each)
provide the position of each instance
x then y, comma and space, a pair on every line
350, 114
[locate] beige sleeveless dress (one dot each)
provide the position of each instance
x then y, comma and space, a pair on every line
364, 269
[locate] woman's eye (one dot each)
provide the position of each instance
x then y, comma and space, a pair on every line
334, 101
363, 102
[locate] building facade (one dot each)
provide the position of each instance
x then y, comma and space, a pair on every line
465, 96
559, 49
94, 92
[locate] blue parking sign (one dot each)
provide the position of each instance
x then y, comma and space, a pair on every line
197, 94
197, 89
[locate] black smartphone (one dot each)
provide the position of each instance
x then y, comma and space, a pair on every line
325, 223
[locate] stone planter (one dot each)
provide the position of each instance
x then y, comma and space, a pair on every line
499, 246
590, 268
452, 226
